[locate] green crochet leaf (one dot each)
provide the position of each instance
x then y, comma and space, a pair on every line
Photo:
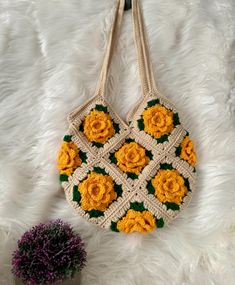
140, 124
186, 183
160, 223
113, 227
153, 102
118, 189
129, 140
101, 108
99, 170
97, 144
81, 127
67, 138
116, 127
83, 156
176, 119
172, 206
95, 213
150, 188
64, 177
132, 175
165, 166
137, 206
178, 151
112, 157
149, 154
76, 194
162, 139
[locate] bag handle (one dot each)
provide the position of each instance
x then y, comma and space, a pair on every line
113, 36
145, 67
144, 64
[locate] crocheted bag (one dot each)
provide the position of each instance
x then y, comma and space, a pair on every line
129, 177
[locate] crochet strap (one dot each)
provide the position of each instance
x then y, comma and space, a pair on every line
113, 36
144, 64
141, 43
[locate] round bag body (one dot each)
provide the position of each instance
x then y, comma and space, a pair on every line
132, 175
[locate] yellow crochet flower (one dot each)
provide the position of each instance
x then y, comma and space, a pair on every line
134, 221
68, 158
188, 152
97, 192
169, 186
158, 121
98, 126
131, 157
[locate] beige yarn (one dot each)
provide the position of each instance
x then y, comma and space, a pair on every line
133, 190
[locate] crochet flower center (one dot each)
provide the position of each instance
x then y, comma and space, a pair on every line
158, 121
131, 157
97, 192
169, 186
98, 126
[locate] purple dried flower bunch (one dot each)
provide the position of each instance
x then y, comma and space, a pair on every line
48, 253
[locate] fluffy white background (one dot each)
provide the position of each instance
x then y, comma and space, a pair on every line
50, 58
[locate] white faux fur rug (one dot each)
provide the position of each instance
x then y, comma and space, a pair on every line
50, 58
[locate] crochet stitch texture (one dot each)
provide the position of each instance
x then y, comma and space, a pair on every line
129, 177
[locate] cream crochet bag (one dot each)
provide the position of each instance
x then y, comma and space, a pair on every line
134, 175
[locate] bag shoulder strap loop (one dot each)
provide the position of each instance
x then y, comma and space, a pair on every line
143, 58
